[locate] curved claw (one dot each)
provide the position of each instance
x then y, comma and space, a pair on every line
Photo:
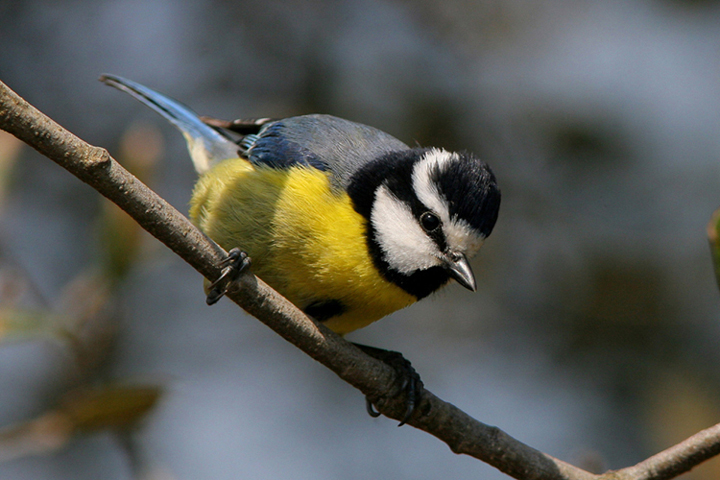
407, 381
233, 265
371, 408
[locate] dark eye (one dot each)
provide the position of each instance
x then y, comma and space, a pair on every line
429, 221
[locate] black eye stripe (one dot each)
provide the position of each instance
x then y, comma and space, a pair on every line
432, 225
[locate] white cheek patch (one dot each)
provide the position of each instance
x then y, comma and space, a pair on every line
463, 238
405, 246
458, 233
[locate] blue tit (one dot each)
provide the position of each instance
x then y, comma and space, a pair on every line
347, 222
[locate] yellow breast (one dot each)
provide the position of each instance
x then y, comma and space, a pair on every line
305, 239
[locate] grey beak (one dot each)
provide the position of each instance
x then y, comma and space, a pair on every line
458, 267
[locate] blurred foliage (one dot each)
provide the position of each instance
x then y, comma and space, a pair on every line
679, 405
693, 4
588, 145
82, 319
141, 147
9, 154
17, 324
591, 114
117, 407
713, 233
81, 411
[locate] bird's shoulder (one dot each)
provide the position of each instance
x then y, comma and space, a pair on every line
325, 142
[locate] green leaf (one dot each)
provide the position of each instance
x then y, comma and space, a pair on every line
117, 407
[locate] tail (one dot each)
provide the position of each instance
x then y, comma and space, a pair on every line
206, 145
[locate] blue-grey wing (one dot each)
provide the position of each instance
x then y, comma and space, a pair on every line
327, 143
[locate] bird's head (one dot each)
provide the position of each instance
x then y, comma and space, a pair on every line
429, 212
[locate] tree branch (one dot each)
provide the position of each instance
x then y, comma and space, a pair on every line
462, 433
677, 459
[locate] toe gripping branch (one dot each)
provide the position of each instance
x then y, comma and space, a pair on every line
407, 381
232, 266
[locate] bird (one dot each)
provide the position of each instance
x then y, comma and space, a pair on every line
344, 220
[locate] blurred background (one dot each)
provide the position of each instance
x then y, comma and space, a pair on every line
594, 333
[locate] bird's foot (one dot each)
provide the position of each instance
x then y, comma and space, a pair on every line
407, 381
232, 266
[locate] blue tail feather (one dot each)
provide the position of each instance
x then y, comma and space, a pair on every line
207, 145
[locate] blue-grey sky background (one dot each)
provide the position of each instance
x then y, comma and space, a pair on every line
593, 335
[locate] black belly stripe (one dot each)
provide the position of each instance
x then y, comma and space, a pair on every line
324, 310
